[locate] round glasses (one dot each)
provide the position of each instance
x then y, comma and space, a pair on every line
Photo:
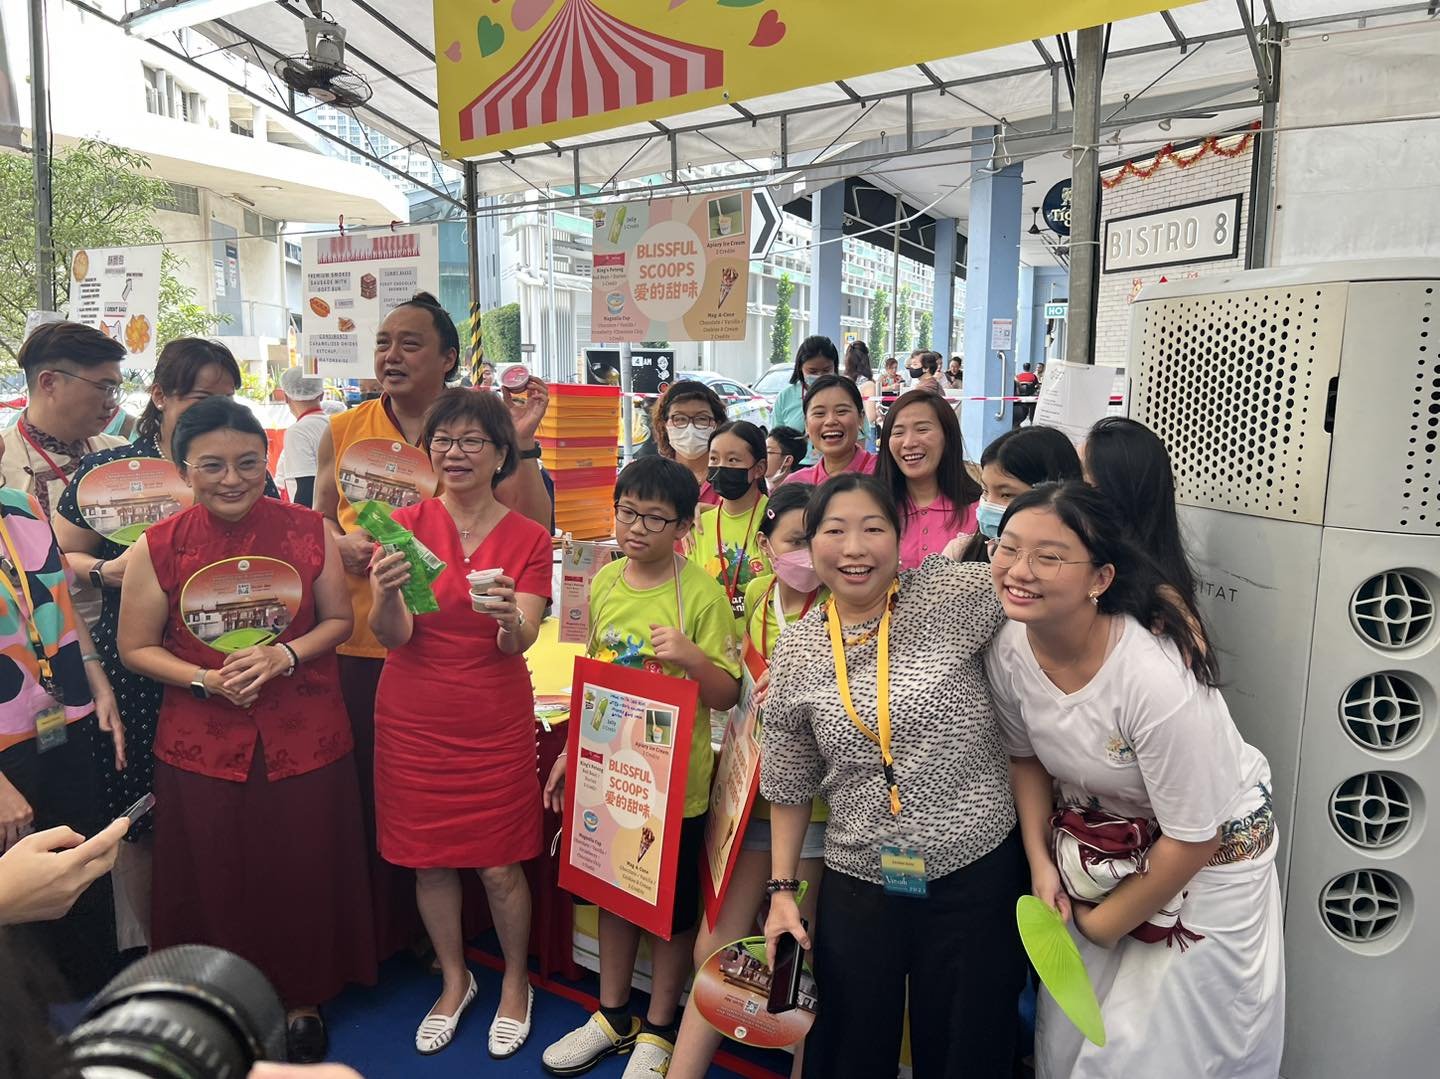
468, 444
248, 468
653, 522
1045, 565
700, 423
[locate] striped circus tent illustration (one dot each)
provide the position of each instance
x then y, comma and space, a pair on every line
588, 62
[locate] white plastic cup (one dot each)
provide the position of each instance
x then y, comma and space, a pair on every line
480, 581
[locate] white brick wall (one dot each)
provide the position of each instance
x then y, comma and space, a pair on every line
1212, 177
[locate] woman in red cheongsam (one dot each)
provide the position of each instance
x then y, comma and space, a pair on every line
236, 606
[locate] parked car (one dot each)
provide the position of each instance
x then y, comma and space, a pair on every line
774, 380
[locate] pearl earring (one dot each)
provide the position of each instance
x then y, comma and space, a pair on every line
1095, 598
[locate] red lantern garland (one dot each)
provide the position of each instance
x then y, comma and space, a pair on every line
1211, 145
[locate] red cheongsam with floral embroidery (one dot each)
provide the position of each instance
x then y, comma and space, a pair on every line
300, 720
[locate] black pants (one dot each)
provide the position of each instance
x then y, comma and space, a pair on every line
1024, 410
62, 788
961, 954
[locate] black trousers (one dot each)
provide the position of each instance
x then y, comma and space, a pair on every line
62, 788
960, 953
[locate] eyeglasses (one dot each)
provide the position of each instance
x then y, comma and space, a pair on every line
468, 444
111, 390
653, 522
1044, 565
700, 423
248, 468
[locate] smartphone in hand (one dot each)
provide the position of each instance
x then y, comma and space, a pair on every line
785, 977
142, 806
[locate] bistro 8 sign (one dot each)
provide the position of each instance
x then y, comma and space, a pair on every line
1200, 232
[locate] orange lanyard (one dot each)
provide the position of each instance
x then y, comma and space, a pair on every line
779, 615
732, 585
43, 653
882, 738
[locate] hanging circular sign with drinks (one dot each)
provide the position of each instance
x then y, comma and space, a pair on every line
732, 991
1056, 208
241, 602
121, 499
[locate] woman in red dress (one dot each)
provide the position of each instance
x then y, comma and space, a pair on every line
456, 785
236, 605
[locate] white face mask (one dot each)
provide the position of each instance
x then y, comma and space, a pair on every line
688, 441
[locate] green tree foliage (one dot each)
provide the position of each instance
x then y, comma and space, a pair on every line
781, 332
500, 334
902, 321
879, 323
926, 332
103, 196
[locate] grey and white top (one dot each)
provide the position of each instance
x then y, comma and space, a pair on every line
952, 769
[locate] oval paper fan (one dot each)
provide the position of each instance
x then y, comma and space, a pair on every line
1057, 961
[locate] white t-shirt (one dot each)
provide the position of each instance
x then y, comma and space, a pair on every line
1142, 739
302, 447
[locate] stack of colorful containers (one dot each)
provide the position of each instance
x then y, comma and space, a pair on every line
579, 439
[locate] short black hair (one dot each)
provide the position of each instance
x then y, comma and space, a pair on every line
444, 326
659, 479
784, 499
481, 408
814, 345
844, 483
1034, 455
213, 414
66, 342
686, 389
1024, 367
792, 443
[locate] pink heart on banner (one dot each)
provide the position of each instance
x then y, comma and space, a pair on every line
526, 13
453, 53
770, 30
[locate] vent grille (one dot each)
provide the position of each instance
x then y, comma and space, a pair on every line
1362, 906
1393, 610
1420, 493
1235, 385
1382, 712
1372, 810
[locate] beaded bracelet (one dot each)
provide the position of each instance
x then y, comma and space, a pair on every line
781, 884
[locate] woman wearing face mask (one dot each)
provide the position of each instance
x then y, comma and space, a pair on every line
684, 418
833, 411
1118, 738
922, 461
1015, 462
878, 702
772, 602
815, 358
725, 539
784, 450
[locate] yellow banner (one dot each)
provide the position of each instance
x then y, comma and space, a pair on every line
517, 72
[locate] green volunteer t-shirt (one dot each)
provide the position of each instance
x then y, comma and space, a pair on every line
620, 621
727, 547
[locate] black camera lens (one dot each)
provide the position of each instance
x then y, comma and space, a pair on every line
189, 1011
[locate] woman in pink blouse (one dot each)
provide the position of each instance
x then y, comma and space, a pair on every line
834, 415
922, 462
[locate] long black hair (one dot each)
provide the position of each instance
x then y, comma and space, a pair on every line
1035, 455
814, 345
176, 372
1127, 461
786, 498
1139, 587
952, 476
857, 362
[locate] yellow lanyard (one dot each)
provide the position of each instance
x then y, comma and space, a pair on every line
882, 676
26, 612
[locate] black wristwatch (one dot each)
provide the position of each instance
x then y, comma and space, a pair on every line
197, 685
96, 578
532, 454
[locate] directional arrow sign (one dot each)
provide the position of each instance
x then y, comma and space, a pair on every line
764, 223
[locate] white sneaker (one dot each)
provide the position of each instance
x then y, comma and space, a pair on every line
650, 1059
436, 1030
508, 1035
588, 1045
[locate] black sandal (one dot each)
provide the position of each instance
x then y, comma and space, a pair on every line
306, 1040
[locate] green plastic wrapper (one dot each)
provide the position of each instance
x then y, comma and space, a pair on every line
425, 566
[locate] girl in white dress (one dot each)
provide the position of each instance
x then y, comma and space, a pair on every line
1106, 698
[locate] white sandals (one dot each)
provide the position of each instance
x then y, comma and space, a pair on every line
508, 1035
436, 1030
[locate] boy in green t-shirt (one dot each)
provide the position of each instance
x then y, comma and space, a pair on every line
655, 611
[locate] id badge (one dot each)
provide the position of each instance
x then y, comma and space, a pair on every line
737, 606
903, 870
50, 729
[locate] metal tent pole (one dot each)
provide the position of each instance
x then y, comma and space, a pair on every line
627, 404
894, 348
40, 143
1085, 198
472, 257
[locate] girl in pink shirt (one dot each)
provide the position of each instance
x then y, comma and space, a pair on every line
922, 461
833, 413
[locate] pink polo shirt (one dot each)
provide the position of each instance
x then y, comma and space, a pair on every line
927, 531
863, 461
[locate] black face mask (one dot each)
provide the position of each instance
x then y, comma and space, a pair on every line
916, 372
730, 482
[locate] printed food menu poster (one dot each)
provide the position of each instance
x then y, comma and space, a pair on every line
116, 290
352, 281
732, 795
629, 749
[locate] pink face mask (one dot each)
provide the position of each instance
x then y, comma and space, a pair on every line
795, 569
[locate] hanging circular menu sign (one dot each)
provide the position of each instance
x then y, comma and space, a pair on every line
386, 470
732, 991
121, 499
241, 602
